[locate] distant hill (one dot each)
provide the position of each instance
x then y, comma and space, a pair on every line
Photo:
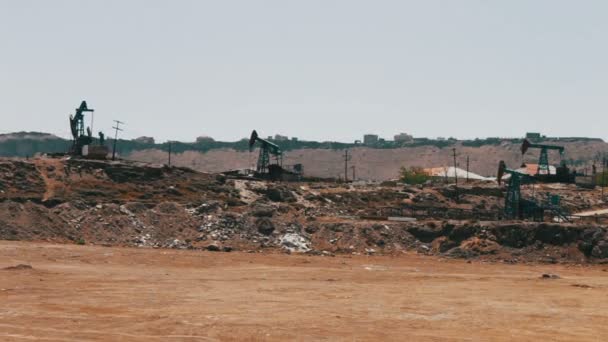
23, 144
324, 159
383, 163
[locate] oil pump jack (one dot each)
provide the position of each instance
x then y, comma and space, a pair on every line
264, 166
515, 206
82, 144
543, 173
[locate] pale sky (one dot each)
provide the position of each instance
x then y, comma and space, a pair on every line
315, 69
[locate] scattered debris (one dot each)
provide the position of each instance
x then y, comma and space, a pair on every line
127, 204
294, 243
550, 276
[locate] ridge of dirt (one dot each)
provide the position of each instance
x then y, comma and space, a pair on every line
141, 205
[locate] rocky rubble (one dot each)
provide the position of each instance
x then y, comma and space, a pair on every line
118, 204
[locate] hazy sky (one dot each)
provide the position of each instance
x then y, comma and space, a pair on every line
316, 69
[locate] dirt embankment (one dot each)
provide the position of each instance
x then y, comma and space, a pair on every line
171, 225
133, 204
130, 204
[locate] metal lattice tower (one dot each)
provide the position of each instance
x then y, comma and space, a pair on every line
513, 198
263, 159
543, 162
515, 206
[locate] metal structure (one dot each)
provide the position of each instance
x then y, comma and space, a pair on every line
455, 174
515, 206
82, 139
543, 160
346, 157
117, 128
267, 149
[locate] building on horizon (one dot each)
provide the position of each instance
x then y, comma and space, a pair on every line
204, 138
144, 140
370, 139
403, 137
533, 135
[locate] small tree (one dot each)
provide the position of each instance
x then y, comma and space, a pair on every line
413, 175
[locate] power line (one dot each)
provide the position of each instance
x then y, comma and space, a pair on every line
455, 173
117, 128
170, 144
467, 169
604, 161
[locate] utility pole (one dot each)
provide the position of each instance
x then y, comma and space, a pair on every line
117, 128
604, 161
354, 176
455, 173
347, 157
92, 121
170, 142
467, 169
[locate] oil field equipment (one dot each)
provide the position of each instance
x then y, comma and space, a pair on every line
267, 149
543, 173
517, 207
82, 143
543, 160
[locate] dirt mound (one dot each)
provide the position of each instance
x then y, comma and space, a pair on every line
134, 204
20, 179
56, 181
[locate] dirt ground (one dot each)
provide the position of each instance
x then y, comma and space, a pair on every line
81, 293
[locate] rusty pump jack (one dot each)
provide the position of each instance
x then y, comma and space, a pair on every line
266, 149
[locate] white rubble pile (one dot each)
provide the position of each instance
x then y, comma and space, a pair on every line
294, 243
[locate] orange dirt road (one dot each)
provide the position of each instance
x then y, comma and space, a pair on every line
82, 293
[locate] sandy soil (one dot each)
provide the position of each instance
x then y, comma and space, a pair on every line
80, 293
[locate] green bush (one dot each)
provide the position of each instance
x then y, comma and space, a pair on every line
601, 181
413, 175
